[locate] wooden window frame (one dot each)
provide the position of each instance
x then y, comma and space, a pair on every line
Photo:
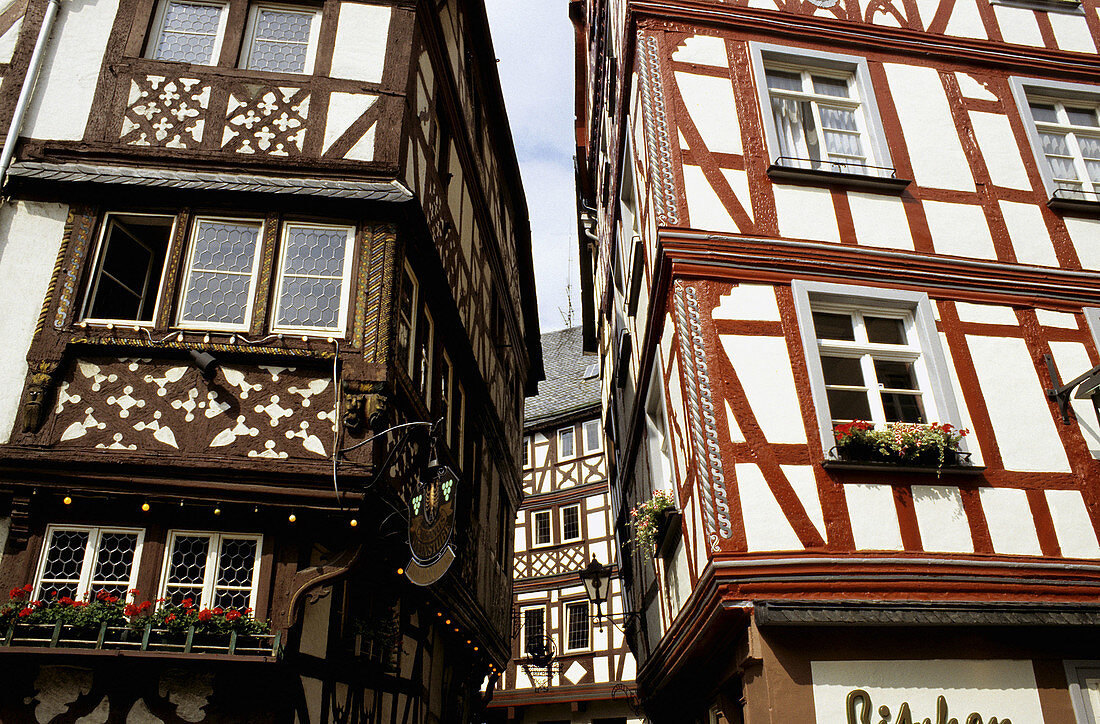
209, 586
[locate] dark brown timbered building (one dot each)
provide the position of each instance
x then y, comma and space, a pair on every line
821, 239
570, 661
265, 268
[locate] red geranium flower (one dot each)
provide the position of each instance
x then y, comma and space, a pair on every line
129, 609
16, 592
65, 601
80, 604
25, 612
232, 615
170, 617
145, 606
205, 614
112, 599
218, 612
187, 603
28, 588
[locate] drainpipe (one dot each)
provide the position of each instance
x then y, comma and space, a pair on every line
28, 89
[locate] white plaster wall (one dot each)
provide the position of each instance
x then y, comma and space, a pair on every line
965, 22
971, 88
1018, 25
1072, 32
930, 135
880, 221
764, 369
30, 237
702, 50
70, 70
985, 313
739, 183
959, 230
965, 420
806, 213
1084, 233
5, 529
1010, 522
1048, 318
1013, 392
1072, 525
1072, 359
710, 103
343, 110
8, 40
1000, 150
941, 519
874, 517
766, 527
705, 209
1029, 235
749, 301
801, 478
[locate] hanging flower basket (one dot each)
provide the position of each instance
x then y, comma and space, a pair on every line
652, 521
900, 443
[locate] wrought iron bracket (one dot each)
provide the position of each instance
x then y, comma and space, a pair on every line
1089, 384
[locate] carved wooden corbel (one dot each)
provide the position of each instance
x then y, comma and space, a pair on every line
364, 404
306, 583
43, 377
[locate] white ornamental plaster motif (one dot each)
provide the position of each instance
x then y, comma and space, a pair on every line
160, 432
274, 410
58, 688
275, 372
64, 398
213, 406
134, 363
117, 444
272, 121
236, 378
230, 434
309, 441
575, 672
189, 405
166, 112
80, 429
94, 373
315, 387
171, 376
189, 691
269, 451
125, 401
329, 415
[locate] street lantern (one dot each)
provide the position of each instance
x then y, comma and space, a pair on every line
596, 578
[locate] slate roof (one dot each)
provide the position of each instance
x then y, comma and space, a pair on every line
565, 391
210, 181
917, 613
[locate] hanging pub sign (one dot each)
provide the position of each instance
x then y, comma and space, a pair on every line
431, 524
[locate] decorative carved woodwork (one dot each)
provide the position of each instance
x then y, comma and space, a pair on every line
364, 404
40, 383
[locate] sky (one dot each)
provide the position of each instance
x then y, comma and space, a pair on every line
533, 40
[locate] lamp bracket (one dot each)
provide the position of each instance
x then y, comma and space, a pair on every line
1089, 384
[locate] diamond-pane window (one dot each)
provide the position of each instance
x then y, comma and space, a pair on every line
214, 570
281, 39
78, 561
220, 284
313, 277
189, 32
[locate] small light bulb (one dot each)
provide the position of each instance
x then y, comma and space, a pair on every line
469, 641
456, 629
137, 328
232, 339
353, 522
305, 338
110, 326
448, 622
179, 337
330, 340
292, 517
206, 339
83, 325
476, 649
67, 500
437, 613
145, 507
255, 509
217, 511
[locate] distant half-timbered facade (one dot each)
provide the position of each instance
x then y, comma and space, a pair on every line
564, 522
796, 216
239, 242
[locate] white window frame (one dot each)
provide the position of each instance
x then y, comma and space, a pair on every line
852, 66
658, 439
938, 397
95, 535
541, 608
528, 453
585, 426
535, 528
580, 525
571, 430
97, 270
250, 32
345, 280
1078, 673
566, 606
414, 308
1028, 89
162, 15
253, 276
213, 562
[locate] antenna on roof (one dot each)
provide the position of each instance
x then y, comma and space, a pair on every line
567, 312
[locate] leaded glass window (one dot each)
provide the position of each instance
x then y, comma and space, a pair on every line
570, 522
221, 273
79, 560
534, 631
214, 570
189, 32
542, 528
282, 39
313, 277
577, 626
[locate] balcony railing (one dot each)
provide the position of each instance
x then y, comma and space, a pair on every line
146, 639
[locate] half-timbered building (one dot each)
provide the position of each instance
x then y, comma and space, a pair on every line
264, 268
568, 663
799, 215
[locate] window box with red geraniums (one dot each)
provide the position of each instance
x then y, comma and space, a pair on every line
901, 443
652, 521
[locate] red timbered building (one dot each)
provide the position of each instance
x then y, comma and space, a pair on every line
797, 215
239, 241
564, 522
